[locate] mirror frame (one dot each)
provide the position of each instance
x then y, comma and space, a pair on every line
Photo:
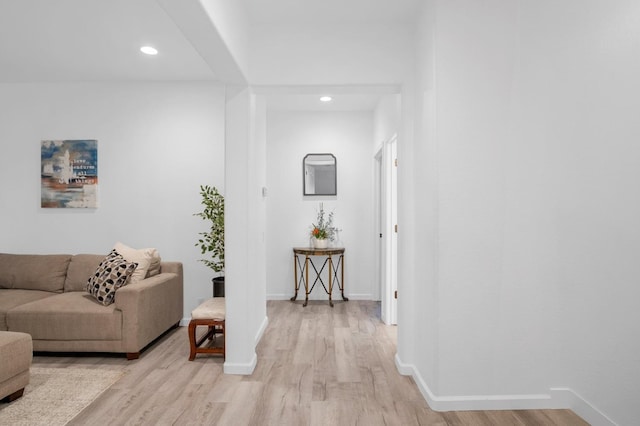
334, 190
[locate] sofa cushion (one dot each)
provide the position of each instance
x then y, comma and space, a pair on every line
82, 267
34, 271
9, 299
67, 316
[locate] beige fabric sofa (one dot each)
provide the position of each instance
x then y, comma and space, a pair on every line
15, 361
45, 296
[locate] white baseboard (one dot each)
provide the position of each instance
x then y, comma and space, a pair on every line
356, 296
319, 296
572, 400
241, 369
557, 398
262, 329
281, 296
248, 368
185, 322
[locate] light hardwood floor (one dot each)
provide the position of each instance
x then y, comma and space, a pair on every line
316, 366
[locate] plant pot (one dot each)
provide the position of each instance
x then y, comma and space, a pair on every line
320, 243
218, 287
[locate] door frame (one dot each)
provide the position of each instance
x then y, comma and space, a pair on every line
385, 221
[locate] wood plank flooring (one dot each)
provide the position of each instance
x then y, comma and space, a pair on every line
316, 366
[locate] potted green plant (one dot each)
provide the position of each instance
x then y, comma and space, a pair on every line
212, 241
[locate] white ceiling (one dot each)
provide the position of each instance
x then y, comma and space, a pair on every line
93, 40
332, 11
99, 40
311, 102
307, 98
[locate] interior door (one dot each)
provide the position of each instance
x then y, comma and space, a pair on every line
386, 182
393, 246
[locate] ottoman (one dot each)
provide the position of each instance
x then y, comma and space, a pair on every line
16, 353
211, 313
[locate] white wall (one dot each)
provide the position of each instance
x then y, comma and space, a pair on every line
535, 134
157, 143
304, 54
290, 136
245, 281
386, 120
418, 240
258, 222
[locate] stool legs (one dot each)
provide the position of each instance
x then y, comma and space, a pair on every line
192, 340
213, 325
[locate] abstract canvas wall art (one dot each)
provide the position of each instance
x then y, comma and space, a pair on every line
69, 174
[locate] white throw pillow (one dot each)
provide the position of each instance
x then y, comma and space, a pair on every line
143, 257
154, 269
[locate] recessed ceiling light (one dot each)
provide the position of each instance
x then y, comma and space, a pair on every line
149, 50
326, 99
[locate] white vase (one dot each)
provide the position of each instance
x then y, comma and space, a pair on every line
320, 243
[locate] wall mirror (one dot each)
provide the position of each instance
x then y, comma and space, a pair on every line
319, 174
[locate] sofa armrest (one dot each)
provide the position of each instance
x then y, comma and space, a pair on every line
150, 307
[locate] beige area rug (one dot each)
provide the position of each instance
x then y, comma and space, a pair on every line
54, 396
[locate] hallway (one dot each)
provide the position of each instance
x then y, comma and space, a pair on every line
324, 366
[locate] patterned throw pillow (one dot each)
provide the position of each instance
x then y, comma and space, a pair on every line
112, 273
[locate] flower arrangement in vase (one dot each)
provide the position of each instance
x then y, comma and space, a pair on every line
323, 231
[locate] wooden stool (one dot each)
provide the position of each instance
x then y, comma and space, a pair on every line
210, 313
